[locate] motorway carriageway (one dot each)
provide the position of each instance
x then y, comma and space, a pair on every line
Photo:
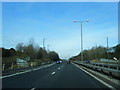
56, 76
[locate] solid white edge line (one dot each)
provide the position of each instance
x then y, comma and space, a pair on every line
106, 84
25, 71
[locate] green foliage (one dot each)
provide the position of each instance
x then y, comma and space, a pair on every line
36, 54
53, 56
30, 51
8, 61
42, 54
8, 52
117, 51
98, 53
19, 47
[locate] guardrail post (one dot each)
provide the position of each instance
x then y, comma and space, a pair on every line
117, 68
3, 66
12, 66
18, 65
31, 64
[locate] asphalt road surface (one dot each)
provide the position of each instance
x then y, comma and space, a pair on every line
56, 76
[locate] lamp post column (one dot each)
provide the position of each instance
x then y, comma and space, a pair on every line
81, 43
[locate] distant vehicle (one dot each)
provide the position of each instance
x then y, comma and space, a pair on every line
68, 62
87, 61
58, 62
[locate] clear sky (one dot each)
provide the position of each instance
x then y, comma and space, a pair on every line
22, 21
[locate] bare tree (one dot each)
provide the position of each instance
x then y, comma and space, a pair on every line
19, 47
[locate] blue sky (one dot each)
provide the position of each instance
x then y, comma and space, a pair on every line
53, 21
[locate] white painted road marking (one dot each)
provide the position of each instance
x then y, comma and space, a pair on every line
25, 71
58, 68
106, 84
33, 89
53, 72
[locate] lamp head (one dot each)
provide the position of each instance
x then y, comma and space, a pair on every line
87, 20
74, 20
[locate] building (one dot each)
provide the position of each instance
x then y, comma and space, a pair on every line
23, 62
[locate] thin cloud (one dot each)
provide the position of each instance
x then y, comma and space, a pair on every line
60, 1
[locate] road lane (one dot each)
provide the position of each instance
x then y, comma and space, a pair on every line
68, 76
27, 80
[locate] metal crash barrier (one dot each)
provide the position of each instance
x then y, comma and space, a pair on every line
109, 69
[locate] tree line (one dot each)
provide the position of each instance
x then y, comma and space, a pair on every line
99, 52
34, 52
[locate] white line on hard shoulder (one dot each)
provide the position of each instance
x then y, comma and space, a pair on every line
24, 72
53, 72
106, 84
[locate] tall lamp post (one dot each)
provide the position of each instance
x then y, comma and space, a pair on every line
81, 36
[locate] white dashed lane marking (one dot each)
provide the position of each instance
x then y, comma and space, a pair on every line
53, 73
58, 68
33, 89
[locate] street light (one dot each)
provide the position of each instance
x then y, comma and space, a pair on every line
81, 36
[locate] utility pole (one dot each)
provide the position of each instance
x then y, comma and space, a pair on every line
96, 55
107, 42
48, 47
44, 43
96, 45
107, 49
